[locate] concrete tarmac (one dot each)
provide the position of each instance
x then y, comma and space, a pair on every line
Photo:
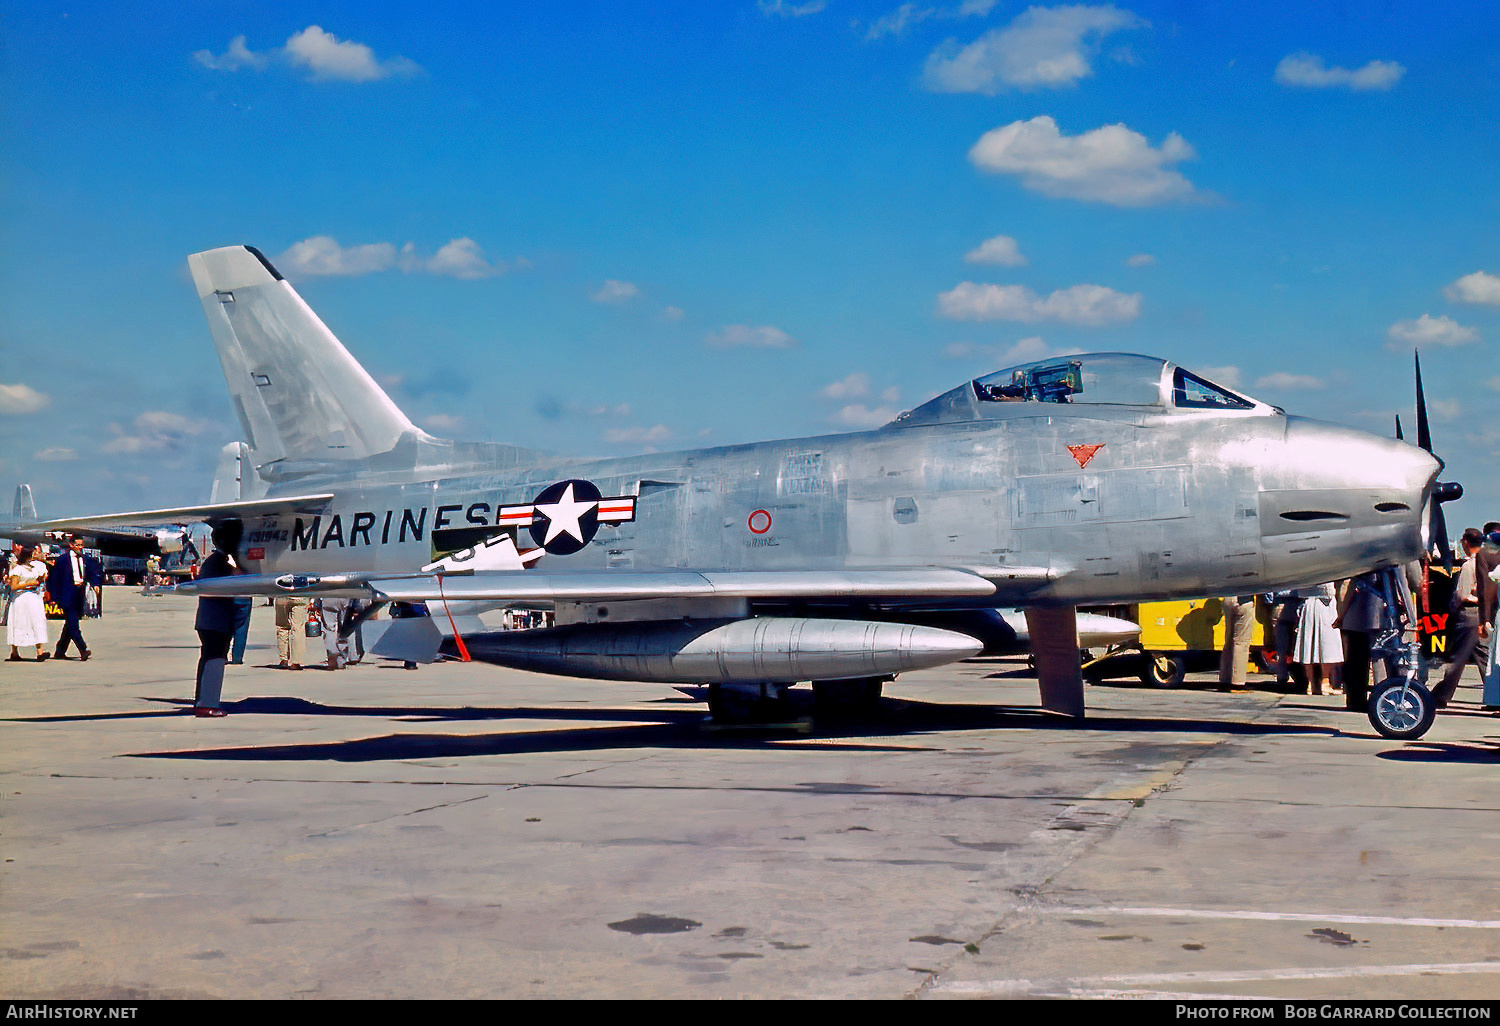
461, 831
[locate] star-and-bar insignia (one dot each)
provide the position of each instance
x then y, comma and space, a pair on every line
566, 515
1083, 453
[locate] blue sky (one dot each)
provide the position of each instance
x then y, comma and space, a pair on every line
598, 228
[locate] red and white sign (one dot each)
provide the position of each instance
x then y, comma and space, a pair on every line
759, 522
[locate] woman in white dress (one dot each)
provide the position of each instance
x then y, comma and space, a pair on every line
1320, 645
27, 623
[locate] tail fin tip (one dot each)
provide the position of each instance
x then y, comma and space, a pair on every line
230, 268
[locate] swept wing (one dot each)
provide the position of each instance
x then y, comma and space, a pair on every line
907, 585
208, 513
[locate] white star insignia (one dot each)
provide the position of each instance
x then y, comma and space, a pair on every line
563, 515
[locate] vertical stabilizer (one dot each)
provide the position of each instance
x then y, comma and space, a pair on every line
24, 508
234, 478
298, 393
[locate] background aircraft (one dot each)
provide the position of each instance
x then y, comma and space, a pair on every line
122, 547
840, 559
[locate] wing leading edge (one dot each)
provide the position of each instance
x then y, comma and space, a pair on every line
911, 584
209, 513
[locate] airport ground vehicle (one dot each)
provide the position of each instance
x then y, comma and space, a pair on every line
1176, 637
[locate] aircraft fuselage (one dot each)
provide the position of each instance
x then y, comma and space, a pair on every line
1121, 503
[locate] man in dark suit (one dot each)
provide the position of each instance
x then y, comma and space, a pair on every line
215, 621
69, 582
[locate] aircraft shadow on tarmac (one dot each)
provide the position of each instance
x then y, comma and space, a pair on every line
1480, 752
673, 728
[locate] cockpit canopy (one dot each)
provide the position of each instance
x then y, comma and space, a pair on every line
1105, 379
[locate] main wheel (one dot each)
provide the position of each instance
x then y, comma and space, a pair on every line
1164, 669
762, 703
1401, 711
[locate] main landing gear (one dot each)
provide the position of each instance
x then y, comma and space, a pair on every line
771, 705
745, 705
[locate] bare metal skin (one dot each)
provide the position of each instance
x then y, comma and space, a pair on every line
1092, 479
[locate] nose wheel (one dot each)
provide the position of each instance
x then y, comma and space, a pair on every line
1401, 710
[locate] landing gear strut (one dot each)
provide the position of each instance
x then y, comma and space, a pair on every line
748, 703
1401, 708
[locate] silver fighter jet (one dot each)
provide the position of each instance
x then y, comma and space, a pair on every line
840, 559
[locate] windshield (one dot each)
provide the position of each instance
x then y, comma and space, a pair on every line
1197, 393
1118, 378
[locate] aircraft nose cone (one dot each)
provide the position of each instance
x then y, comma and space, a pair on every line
1338, 496
1324, 455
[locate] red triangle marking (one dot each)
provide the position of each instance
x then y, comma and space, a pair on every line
1084, 453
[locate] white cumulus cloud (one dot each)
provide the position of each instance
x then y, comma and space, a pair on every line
763, 337
1229, 377
1285, 381
1430, 330
1111, 164
1044, 47
613, 291
1140, 260
236, 57
1309, 72
1002, 250
328, 57
155, 431
1446, 409
909, 15
462, 258
322, 255
18, 400
858, 415
852, 387
898, 21
638, 435
1090, 305
444, 423
1479, 287
1024, 350
54, 454
784, 9
324, 56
